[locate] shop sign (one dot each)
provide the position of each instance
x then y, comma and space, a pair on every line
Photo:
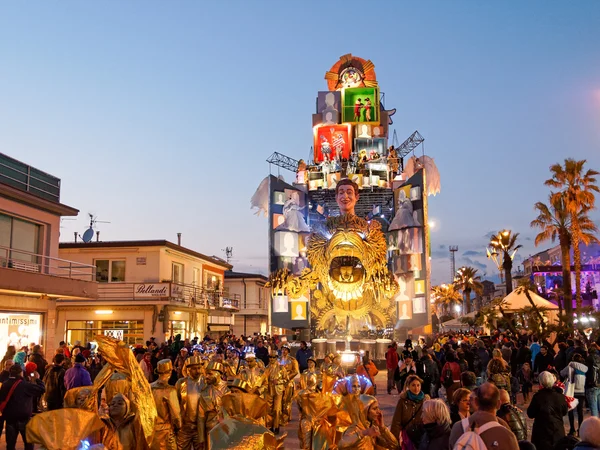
141, 261
176, 291
145, 290
117, 334
20, 329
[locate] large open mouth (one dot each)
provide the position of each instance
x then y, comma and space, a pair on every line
346, 277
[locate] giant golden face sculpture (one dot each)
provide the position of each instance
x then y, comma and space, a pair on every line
348, 275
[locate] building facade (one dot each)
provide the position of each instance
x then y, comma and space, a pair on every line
32, 277
254, 314
147, 289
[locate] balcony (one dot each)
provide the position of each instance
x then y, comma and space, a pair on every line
29, 179
177, 293
31, 274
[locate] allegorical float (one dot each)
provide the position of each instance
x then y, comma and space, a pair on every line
354, 276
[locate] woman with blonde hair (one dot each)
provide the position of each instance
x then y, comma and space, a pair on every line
436, 425
498, 371
407, 426
460, 407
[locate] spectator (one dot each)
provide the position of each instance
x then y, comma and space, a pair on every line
19, 406
180, 360
547, 408
54, 380
262, 352
5, 374
146, 365
575, 372
407, 426
460, 407
498, 371
468, 380
560, 360
391, 363
302, 356
513, 416
496, 437
523, 355
20, 358
77, 375
535, 349
65, 348
450, 376
525, 377
429, 372
590, 434
592, 380
406, 368
11, 351
436, 425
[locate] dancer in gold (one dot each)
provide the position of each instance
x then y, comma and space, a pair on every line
253, 375
291, 367
209, 405
315, 429
188, 394
276, 378
167, 407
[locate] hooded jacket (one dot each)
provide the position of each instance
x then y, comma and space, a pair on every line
576, 373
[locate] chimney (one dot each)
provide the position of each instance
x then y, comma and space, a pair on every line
75, 233
179, 239
97, 236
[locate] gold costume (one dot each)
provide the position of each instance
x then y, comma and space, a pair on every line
315, 429
243, 427
253, 375
62, 429
276, 378
188, 394
291, 367
167, 408
122, 428
209, 403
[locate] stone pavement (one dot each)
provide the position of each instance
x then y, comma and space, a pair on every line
387, 404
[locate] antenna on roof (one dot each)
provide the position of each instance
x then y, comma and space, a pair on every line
228, 253
88, 235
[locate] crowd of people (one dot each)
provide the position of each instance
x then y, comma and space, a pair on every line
453, 389
476, 380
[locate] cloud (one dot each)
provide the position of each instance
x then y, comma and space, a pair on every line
442, 247
439, 254
489, 234
473, 253
476, 264
527, 238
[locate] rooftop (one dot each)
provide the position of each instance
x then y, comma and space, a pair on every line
231, 274
149, 243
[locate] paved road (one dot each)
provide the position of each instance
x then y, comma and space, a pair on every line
386, 402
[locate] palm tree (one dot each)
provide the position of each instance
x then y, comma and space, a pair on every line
504, 244
577, 188
445, 296
554, 221
467, 281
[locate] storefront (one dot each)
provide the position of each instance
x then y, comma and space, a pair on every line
129, 331
20, 329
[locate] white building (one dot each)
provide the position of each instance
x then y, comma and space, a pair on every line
254, 314
147, 288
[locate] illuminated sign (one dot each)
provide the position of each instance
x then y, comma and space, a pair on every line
146, 290
20, 329
117, 334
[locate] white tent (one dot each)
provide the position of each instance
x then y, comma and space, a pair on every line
456, 324
517, 299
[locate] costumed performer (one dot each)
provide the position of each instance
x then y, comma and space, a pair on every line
167, 407
188, 394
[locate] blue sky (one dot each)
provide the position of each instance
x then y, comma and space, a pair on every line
158, 116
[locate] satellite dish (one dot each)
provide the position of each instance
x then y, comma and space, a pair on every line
88, 235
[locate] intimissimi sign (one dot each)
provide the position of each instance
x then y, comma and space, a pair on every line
146, 290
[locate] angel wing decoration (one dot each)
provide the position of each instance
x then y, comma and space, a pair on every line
431, 172
260, 199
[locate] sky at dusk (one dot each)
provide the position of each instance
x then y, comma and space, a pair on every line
159, 116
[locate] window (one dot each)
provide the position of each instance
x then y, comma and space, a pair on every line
18, 234
86, 330
212, 281
177, 327
110, 271
196, 276
177, 273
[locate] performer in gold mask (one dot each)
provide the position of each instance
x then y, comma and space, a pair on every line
291, 367
276, 378
209, 405
167, 407
253, 375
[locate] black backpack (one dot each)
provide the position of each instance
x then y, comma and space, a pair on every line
448, 376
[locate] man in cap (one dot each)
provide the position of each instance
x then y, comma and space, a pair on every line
167, 407
253, 375
209, 405
291, 366
188, 393
232, 364
276, 377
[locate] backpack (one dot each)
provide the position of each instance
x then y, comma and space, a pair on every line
499, 379
595, 371
471, 439
448, 376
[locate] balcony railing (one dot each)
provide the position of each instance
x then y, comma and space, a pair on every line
32, 262
29, 179
187, 294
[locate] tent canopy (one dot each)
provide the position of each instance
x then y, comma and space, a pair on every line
517, 299
456, 324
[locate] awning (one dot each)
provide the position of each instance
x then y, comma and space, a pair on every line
218, 327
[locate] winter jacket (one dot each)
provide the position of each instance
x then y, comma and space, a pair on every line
542, 362
77, 376
391, 358
593, 362
576, 372
455, 372
548, 408
55, 387
497, 438
515, 419
484, 358
535, 349
560, 360
408, 416
40, 362
20, 405
302, 356
436, 437
523, 356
